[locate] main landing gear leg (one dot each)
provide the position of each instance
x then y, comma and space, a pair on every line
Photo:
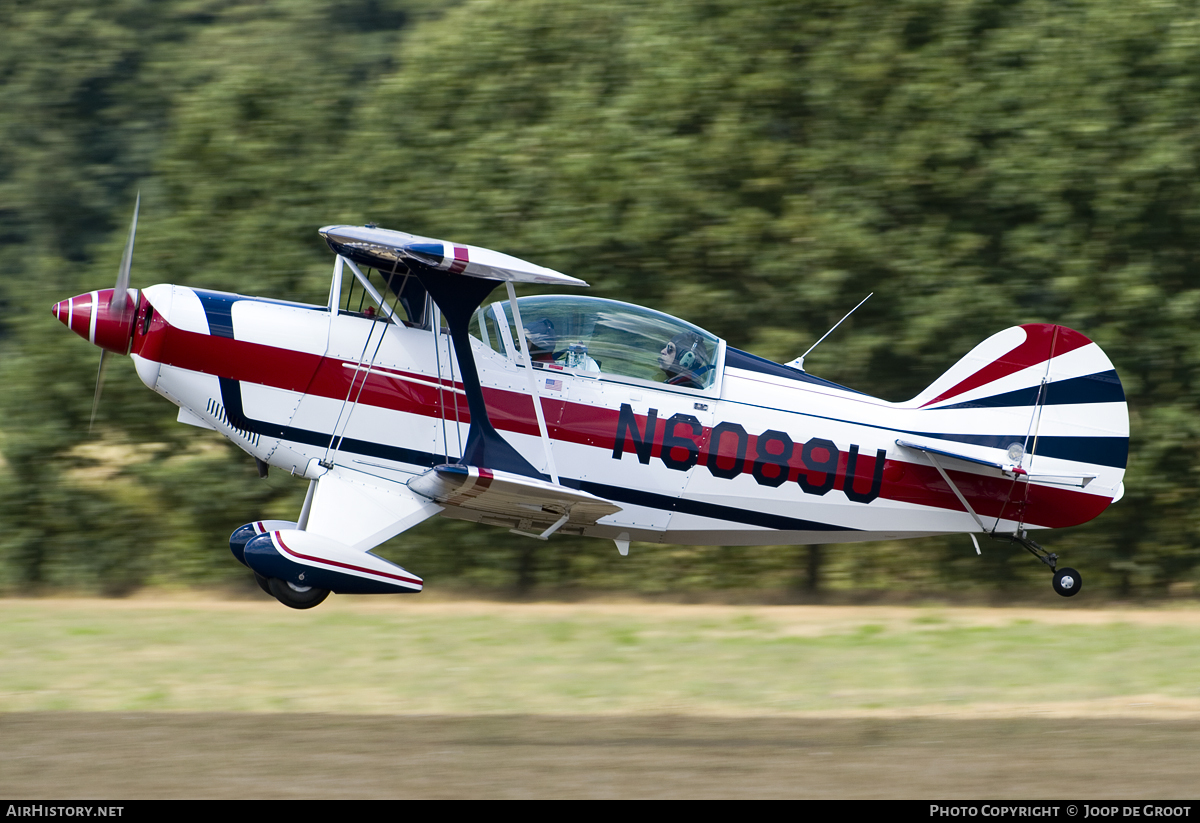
1067, 582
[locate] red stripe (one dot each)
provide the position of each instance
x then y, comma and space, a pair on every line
80, 319
226, 357
1047, 506
328, 377
1039, 338
328, 562
591, 426
460, 260
483, 481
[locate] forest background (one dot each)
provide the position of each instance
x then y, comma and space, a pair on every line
756, 168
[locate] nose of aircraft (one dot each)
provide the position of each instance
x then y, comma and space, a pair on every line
93, 317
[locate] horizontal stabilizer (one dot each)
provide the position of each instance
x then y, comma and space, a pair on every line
1008, 470
955, 455
513, 496
383, 249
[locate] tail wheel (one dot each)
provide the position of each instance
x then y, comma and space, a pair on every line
296, 597
1068, 582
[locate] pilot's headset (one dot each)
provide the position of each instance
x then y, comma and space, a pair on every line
689, 352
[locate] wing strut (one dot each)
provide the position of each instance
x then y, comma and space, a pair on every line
371, 290
535, 394
546, 534
458, 297
954, 488
364, 367
458, 278
961, 499
441, 390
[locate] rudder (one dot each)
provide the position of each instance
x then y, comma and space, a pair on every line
1049, 389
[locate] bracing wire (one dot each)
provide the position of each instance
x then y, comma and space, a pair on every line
349, 391
361, 386
346, 403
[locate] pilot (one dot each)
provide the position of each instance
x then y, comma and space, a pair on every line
541, 338
684, 361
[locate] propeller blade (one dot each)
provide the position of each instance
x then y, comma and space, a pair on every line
99, 389
118, 302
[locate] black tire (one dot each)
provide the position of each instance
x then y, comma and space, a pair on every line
1068, 582
293, 599
263, 583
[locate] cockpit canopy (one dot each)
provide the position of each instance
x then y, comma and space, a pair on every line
604, 338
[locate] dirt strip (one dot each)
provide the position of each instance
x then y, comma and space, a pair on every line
131, 756
1182, 613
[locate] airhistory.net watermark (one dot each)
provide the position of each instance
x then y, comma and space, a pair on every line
45, 810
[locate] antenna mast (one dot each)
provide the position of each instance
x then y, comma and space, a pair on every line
799, 361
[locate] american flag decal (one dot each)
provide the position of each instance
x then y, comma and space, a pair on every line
553, 385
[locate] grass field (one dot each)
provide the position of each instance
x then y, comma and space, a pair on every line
381, 656
530, 699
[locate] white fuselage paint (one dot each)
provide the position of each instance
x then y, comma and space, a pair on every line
402, 362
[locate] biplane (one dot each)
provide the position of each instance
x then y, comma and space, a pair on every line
411, 393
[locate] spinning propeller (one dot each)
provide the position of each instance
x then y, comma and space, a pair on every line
105, 317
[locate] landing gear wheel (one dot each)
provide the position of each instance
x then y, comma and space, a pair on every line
263, 583
303, 597
1068, 582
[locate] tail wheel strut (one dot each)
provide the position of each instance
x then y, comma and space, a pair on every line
1031, 546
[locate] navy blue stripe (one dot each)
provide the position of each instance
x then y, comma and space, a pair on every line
738, 359
218, 308
1102, 387
231, 395
650, 500
1101, 451
435, 252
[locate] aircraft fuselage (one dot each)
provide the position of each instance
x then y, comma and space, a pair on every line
760, 457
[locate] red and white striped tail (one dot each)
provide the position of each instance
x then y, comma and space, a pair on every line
1045, 387
1019, 358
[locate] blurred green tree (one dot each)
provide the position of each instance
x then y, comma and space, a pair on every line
756, 168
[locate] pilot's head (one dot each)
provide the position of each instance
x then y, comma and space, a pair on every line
541, 338
683, 356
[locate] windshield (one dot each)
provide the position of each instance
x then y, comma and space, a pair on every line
604, 337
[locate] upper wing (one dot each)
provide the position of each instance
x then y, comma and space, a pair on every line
383, 248
512, 497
